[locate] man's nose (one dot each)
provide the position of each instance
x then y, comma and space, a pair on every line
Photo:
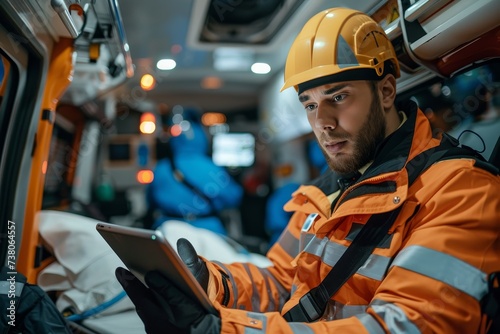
325, 119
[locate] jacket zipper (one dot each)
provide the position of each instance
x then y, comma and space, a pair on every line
375, 179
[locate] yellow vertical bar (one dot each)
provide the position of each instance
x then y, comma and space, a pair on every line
59, 77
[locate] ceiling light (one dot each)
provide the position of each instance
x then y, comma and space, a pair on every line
147, 82
261, 68
166, 64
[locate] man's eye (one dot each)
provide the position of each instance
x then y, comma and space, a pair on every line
338, 98
309, 107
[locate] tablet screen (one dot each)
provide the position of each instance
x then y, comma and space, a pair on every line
144, 250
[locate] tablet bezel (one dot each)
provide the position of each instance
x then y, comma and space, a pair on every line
144, 250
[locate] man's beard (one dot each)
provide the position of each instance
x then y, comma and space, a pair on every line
371, 134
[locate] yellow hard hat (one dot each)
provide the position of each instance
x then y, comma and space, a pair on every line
339, 44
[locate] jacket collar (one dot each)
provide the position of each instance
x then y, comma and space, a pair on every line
390, 159
393, 152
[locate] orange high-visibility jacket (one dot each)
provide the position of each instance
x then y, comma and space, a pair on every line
428, 276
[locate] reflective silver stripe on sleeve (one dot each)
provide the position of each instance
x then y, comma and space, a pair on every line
289, 243
255, 295
231, 279
284, 294
272, 304
330, 252
296, 327
394, 318
444, 268
371, 325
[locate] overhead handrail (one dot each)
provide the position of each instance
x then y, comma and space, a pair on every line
419, 8
62, 10
393, 30
121, 35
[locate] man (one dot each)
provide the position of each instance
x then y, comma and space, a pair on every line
428, 274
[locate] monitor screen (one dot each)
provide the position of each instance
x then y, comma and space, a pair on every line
119, 152
233, 149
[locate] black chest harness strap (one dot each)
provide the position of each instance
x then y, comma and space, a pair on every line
313, 304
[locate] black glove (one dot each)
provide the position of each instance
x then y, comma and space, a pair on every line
196, 266
199, 269
163, 308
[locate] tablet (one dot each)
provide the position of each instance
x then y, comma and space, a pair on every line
144, 250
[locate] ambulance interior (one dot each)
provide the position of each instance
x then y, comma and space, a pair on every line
72, 105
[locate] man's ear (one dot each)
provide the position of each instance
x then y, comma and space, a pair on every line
387, 89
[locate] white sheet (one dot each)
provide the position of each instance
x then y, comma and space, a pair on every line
85, 266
